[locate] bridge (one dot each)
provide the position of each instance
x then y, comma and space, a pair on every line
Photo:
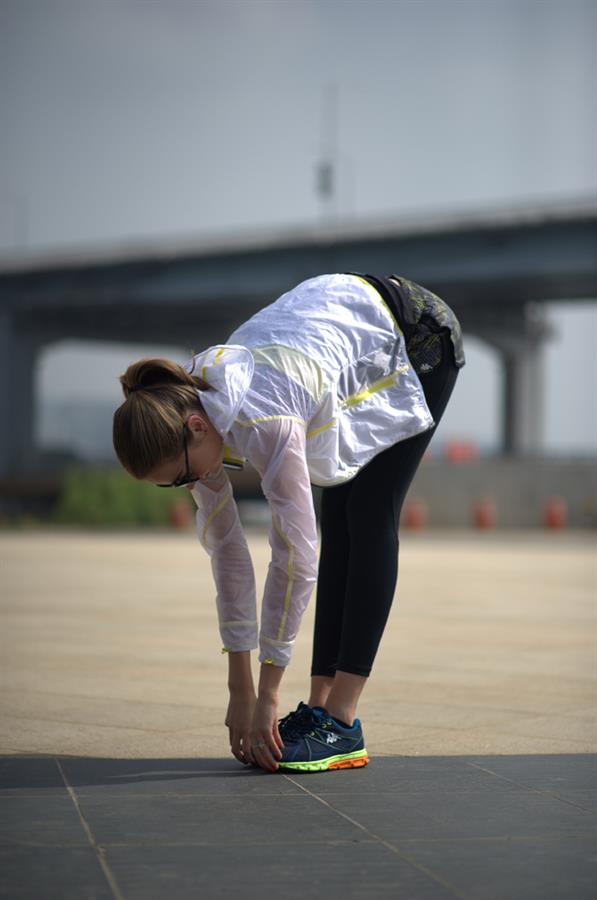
496, 269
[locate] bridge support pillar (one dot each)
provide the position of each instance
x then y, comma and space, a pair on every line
523, 400
518, 332
18, 354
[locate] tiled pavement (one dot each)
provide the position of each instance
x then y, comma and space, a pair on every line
112, 703
422, 828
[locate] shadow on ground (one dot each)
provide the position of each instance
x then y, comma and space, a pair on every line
418, 827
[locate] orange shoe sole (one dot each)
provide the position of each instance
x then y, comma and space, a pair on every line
350, 763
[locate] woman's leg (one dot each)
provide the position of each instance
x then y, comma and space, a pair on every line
373, 507
331, 589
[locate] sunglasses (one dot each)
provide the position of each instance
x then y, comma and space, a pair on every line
187, 477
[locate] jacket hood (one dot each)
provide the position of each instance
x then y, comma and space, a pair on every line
228, 370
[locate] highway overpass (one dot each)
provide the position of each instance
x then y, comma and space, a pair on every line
497, 269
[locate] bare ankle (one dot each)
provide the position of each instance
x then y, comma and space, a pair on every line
318, 699
341, 714
344, 696
321, 686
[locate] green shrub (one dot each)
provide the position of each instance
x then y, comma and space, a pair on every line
107, 496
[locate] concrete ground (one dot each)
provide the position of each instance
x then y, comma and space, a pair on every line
110, 646
480, 721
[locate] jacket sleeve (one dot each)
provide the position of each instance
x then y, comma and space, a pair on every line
277, 450
220, 533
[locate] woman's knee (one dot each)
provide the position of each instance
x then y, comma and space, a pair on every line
372, 523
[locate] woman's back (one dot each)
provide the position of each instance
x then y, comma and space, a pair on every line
331, 319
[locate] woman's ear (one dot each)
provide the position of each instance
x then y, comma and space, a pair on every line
197, 423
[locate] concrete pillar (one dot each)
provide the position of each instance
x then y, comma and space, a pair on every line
523, 399
518, 332
18, 352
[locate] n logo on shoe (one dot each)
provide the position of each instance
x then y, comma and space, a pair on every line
332, 738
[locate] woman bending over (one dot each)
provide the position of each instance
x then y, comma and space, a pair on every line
340, 383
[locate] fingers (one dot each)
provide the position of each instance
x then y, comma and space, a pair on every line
236, 746
247, 751
264, 759
278, 739
261, 748
273, 747
266, 752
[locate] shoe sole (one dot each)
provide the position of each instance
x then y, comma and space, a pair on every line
344, 761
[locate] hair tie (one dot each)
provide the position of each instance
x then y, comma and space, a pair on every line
138, 387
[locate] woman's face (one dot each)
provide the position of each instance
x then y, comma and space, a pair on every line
204, 454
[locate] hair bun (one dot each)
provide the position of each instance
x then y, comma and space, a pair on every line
152, 375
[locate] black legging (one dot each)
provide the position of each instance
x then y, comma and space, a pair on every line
358, 565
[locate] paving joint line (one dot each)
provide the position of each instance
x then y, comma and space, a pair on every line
505, 838
185, 795
236, 844
391, 846
527, 787
97, 849
493, 839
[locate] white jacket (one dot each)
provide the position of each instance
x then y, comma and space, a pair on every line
308, 390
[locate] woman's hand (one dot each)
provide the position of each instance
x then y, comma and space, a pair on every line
265, 741
239, 718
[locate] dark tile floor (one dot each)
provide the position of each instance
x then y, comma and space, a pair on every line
475, 827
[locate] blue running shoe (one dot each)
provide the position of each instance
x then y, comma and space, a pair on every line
323, 744
295, 721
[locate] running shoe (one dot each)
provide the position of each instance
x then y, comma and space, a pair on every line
323, 743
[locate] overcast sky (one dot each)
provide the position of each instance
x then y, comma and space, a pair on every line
124, 120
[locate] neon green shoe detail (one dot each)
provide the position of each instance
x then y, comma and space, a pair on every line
343, 761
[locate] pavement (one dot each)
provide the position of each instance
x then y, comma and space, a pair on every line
116, 779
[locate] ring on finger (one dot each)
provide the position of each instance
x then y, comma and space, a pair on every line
260, 745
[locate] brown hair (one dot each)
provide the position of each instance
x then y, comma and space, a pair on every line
147, 427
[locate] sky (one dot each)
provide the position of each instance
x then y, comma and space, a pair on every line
148, 119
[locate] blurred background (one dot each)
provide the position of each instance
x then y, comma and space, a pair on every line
166, 168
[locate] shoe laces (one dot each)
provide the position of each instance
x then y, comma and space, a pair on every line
297, 720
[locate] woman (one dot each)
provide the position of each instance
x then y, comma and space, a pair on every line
339, 383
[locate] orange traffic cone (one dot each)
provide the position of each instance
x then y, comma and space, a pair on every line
415, 514
484, 513
555, 513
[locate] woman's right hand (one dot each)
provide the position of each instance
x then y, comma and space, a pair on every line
239, 718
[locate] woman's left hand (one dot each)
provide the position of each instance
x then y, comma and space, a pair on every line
266, 743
